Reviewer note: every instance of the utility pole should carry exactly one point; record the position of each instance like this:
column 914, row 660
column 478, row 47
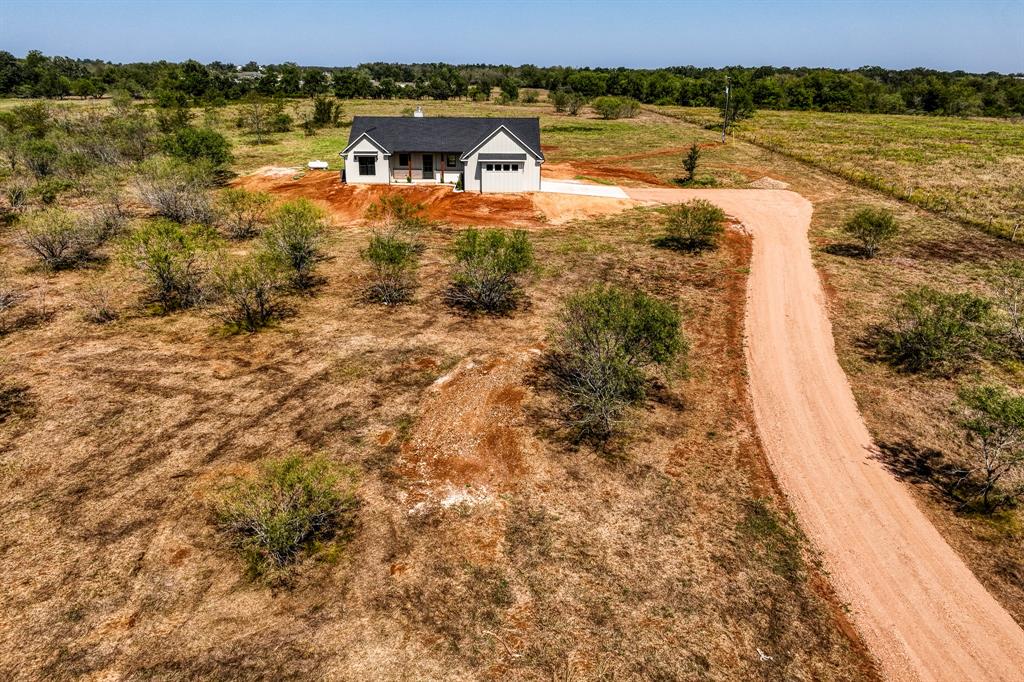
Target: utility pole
column 725, row 117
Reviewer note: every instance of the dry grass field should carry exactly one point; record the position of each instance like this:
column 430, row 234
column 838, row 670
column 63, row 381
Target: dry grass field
column 968, row 168
column 487, row 546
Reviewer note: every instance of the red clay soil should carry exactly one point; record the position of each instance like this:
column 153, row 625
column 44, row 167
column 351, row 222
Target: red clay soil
column 569, row 170
column 348, row 203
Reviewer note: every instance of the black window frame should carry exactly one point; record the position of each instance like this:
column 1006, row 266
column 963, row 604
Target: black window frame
column 407, row 157
column 367, row 162
column 451, row 161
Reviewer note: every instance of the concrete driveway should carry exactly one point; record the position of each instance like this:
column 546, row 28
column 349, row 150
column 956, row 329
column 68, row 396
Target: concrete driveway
column 563, row 187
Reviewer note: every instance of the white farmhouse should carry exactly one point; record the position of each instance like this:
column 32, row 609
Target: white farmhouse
column 489, row 154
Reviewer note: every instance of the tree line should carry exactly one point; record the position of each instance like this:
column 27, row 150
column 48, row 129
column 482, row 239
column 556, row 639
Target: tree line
column 869, row 89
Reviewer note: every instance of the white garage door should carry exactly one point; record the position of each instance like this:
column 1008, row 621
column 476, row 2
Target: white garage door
column 502, row 176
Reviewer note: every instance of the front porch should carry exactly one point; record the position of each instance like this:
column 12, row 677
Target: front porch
column 432, row 168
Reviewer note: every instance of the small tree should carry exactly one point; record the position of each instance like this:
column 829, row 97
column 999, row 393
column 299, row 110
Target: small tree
column 275, row 517
column 690, row 162
column 575, row 102
column 994, row 425
column 489, row 266
column 393, row 269
column 1008, row 283
column 177, row 190
column 933, row 331
column 248, row 292
column 169, row 258
column 604, row 339
column 559, row 100
column 694, row 226
column 326, row 112
column 198, row 144
column 243, row 214
column 40, row 156
column 872, row 227
column 256, row 116
column 16, row 191
column 294, row 240
column 58, row 239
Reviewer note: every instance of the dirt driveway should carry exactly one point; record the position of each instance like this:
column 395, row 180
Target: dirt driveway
column 920, row 609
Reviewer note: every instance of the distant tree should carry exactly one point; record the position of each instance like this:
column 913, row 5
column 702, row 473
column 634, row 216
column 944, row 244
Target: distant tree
column 256, row 116
column 314, row 82
column 510, row 89
column 575, row 103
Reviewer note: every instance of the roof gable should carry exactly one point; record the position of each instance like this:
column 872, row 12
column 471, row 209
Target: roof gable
column 492, row 134
column 457, row 134
column 365, row 136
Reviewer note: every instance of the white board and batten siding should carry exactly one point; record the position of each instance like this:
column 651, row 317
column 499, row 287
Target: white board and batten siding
column 503, row 153
column 366, row 148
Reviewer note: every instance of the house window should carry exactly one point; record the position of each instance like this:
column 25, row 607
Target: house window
column 506, row 167
column 451, row 161
column 515, row 166
column 367, row 165
column 403, row 160
column 490, row 166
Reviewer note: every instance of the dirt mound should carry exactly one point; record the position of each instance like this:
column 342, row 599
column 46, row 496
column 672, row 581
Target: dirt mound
column 469, row 442
column 769, row 183
column 349, row 203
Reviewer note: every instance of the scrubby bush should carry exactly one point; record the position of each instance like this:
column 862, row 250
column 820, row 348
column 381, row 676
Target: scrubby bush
column 294, row 240
column 993, row 423
column 1008, row 283
column 16, row 191
column 872, row 227
column 98, row 304
column 393, row 269
column 170, row 260
column 242, row 213
column 489, row 266
column 610, row 107
column 694, row 226
column 10, row 298
column 48, row 189
column 177, row 190
column 396, row 215
column 575, row 102
column 40, row 157
column 937, row 332
column 58, row 239
column 276, row 516
column 604, row 339
column 529, row 96
column 559, row 100
column 248, row 292
column 198, row 144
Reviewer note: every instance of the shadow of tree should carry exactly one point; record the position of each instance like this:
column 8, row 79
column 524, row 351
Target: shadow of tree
column 926, row 466
column 846, row 250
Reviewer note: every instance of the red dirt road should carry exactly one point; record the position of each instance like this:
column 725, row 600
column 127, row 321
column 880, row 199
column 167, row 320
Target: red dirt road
column 919, row 608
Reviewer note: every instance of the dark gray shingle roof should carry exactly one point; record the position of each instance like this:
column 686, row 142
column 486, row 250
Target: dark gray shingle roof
column 441, row 133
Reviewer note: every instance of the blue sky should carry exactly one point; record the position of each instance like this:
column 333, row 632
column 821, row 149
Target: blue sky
column 973, row 36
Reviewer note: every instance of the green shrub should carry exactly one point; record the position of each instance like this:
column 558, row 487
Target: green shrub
column 16, row 191
column 294, row 240
column 937, row 332
column 48, row 190
column 690, row 162
column 604, row 339
column 872, row 227
column 170, row 260
column 609, row 107
column 40, row 156
column 393, row 264
column 1008, row 282
column 489, row 266
column 58, row 239
column 198, row 144
column 395, row 212
column 177, row 190
column 248, row 292
column 242, row 213
column 272, row 519
column 326, row 112
column 559, row 100
column 694, row 226
column 993, row 422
